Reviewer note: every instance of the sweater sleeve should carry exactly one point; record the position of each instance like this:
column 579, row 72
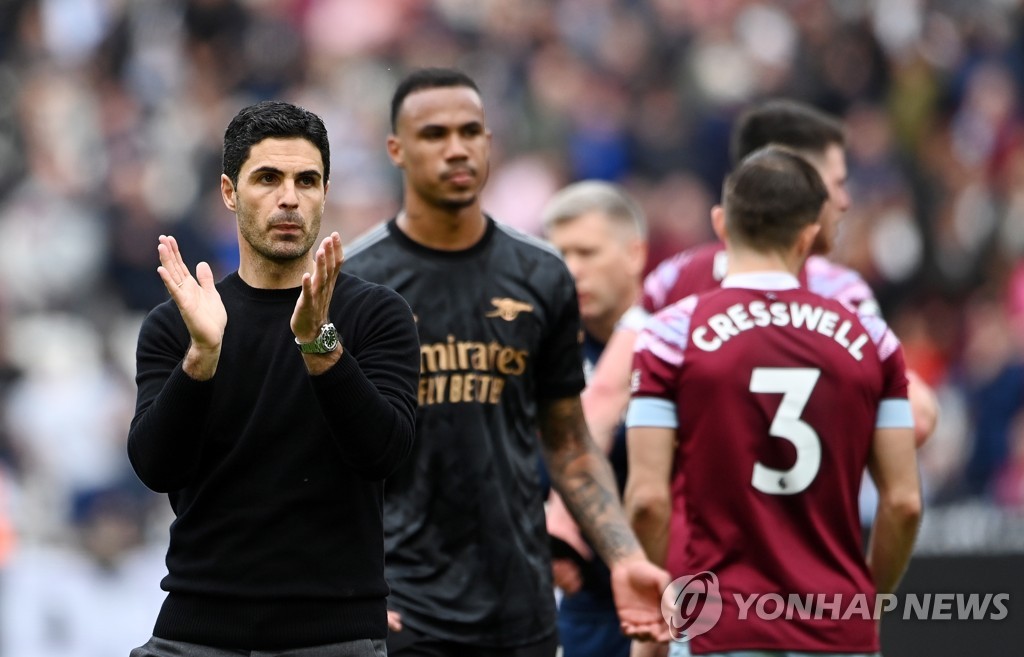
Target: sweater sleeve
column 369, row 397
column 165, row 438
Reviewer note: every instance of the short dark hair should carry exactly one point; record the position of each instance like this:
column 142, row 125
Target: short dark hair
column 427, row 78
column 787, row 123
column 772, row 195
column 272, row 119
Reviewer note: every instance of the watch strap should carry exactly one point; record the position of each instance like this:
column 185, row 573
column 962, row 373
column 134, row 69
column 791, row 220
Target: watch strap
column 326, row 341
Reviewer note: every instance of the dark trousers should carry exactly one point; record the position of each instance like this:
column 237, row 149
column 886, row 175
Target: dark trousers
column 157, row 647
column 410, row 643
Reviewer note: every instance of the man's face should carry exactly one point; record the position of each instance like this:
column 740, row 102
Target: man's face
column 831, row 165
column 279, row 200
column 606, row 262
column 442, row 145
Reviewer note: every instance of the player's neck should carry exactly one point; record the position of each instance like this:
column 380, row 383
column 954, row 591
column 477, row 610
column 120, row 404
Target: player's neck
column 441, row 229
column 747, row 261
column 263, row 274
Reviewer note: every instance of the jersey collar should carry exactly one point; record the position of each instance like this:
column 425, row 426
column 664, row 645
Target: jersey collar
column 763, row 280
column 412, row 245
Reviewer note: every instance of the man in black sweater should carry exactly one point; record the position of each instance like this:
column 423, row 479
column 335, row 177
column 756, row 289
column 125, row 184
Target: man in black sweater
column 271, row 406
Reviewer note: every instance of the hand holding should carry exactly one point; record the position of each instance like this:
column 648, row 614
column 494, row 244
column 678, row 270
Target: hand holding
column 313, row 305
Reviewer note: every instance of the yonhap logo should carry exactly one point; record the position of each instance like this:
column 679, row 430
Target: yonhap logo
column 692, row 605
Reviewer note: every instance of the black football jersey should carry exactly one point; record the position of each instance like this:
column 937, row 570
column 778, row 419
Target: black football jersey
column 467, row 553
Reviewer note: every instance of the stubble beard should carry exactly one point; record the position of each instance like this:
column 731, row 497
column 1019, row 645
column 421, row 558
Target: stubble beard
column 454, row 205
column 277, row 251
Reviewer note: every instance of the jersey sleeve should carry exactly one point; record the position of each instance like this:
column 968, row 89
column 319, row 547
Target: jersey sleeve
column 560, row 359
column 657, row 360
column 894, row 409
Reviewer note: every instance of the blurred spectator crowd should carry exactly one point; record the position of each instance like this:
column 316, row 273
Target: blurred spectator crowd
column 111, row 119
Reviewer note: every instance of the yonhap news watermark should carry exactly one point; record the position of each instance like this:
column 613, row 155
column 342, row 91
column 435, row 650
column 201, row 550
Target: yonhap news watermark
column 694, row 604
column 915, row 606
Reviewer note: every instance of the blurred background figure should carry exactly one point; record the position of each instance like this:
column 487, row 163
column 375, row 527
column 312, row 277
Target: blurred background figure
column 94, row 596
column 602, row 234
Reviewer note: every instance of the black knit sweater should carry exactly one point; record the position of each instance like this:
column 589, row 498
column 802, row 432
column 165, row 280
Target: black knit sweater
column 276, row 476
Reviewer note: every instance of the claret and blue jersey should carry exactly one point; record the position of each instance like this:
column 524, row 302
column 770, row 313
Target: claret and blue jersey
column 775, row 394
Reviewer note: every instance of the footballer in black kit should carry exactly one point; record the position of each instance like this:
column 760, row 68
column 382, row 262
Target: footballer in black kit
column 466, row 547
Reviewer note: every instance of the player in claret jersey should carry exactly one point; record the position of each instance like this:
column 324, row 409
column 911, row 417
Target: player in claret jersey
column 819, row 139
column 767, row 401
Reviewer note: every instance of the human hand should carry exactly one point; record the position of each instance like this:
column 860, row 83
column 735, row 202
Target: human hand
column 565, row 571
column 200, row 306
column 567, row 575
column 637, row 585
column 311, row 309
column 394, row 621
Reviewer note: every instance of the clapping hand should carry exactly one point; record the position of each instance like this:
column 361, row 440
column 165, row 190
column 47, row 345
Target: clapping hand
column 200, row 306
column 311, row 310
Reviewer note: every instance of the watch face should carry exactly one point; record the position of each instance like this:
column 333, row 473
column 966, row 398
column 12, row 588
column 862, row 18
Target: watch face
column 329, row 337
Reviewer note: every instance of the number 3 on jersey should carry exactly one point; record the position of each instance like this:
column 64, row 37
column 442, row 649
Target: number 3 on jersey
column 795, row 384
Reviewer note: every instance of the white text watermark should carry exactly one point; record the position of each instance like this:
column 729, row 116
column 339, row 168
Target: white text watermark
column 693, row 605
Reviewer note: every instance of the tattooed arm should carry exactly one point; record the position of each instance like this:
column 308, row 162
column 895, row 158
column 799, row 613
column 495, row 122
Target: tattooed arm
column 582, row 476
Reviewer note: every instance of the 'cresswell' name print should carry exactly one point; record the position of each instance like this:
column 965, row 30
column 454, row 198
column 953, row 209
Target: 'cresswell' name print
column 458, row 371
column 721, row 327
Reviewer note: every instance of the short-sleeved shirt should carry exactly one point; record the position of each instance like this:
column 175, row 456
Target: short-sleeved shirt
column 467, row 554
column 775, row 393
column 703, row 267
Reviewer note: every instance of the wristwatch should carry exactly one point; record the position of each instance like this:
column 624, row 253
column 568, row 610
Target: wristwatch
column 326, row 342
